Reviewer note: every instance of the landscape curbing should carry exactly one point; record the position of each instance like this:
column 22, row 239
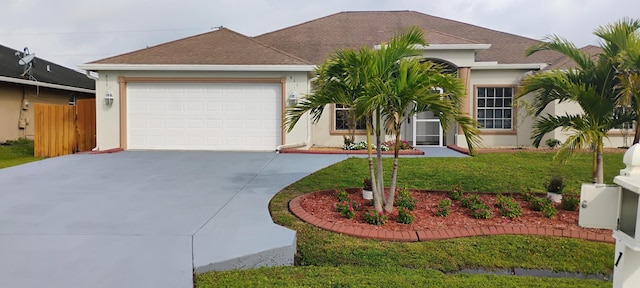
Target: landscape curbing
column 439, row 234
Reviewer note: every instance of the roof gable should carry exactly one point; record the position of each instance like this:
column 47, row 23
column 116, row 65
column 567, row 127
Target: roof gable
column 220, row 47
column 54, row 74
column 316, row 39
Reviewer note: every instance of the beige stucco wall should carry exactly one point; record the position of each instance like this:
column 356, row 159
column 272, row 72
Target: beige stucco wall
column 517, row 137
column 616, row 137
column 460, row 58
column 108, row 118
column 11, row 97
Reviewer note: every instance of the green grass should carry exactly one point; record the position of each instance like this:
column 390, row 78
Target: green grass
column 16, row 153
column 351, row 276
column 323, row 254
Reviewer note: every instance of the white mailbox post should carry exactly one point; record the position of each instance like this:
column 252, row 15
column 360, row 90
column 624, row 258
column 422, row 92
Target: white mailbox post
column 626, row 270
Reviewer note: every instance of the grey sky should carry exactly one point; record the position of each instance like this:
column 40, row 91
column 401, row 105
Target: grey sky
column 72, row 32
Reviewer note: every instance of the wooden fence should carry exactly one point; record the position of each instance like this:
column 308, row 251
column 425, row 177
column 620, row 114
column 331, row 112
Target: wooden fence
column 64, row 129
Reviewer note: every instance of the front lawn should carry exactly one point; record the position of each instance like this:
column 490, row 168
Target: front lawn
column 18, row 152
column 331, row 259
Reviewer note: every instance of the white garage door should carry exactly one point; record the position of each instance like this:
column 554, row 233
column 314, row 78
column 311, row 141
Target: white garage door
column 204, row 116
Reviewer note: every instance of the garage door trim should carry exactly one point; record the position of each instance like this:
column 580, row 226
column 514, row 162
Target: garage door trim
column 123, row 95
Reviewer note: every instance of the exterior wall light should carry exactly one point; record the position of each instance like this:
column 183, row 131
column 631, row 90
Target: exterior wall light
column 108, row 98
column 292, row 100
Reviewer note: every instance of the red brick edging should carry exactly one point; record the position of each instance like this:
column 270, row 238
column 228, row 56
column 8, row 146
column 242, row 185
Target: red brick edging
column 439, row 234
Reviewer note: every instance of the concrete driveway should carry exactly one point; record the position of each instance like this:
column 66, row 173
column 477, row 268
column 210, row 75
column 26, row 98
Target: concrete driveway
column 143, row 219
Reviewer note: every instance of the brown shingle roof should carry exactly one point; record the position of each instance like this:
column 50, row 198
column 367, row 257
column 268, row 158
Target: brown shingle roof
column 315, row 40
column 565, row 62
column 221, row 47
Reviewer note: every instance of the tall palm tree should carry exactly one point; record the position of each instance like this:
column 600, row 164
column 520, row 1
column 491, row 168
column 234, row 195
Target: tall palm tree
column 621, row 48
column 592, row 85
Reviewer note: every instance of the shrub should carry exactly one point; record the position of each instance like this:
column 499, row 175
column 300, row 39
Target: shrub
column 404, row 145
column 362, row 145
column 347, row 208
column 528, row 196
column 443, row 209
column 405, row 200
column 570, row 202
column 470, row 201
column 549, row 211
column 508, row 206
column 481, row 211
column 552, row 143
column 374, row 217
column 456, row 192
column 405, row 216
column 538, row 203
column 342, row 195
column 555, row 185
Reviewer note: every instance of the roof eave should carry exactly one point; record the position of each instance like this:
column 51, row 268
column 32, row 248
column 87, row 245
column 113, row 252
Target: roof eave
column 45, row 84
column 183, row 67
column 474, row 47
column 496, row 66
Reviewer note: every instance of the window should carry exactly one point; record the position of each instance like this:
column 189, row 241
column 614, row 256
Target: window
column 341, row 114
column 494, row 107
column 616, row 114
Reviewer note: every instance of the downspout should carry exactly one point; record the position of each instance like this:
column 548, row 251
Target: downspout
column 308, row 140
column 88, row 74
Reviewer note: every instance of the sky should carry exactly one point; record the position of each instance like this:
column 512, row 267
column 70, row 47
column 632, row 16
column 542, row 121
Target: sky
column 73, row 32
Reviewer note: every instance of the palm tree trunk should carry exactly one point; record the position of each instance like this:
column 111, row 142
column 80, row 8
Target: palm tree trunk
column 594, row 166
column 394, row 175
column 377, row 195
column 380, row 181
column 636, row 136
column 599, row 163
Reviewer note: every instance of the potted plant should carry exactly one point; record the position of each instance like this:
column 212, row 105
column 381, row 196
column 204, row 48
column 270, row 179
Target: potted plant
column 554, row 188
column 367, row 191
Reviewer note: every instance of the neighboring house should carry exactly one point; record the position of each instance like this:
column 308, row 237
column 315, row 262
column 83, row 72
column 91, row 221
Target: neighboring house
column 38, row 81
column 225, row 91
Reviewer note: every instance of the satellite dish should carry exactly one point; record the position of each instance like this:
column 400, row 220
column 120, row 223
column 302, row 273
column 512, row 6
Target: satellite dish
column 26, row 59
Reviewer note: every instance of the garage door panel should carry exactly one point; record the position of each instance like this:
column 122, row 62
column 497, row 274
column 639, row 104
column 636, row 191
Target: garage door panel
column 204, row 116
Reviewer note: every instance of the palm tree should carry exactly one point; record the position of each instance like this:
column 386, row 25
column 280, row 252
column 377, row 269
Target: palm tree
column 409, row 90
column 381, row 85
column 621, row 48
column 592, row 85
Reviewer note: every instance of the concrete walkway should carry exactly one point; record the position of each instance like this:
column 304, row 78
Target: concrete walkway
column 143, row 219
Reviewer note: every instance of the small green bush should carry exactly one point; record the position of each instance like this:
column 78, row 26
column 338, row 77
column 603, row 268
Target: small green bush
column 481, row 211
column 374, row 217
column 508, row 206
column 538, row 203
column 528, row 196
column 455, row 193
column 470, row 201
column 404, row 216
column 570, row 202
column 444, row 207
column 549, row 211
column 347, row 208
column 405, row 200
column 342, row 195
